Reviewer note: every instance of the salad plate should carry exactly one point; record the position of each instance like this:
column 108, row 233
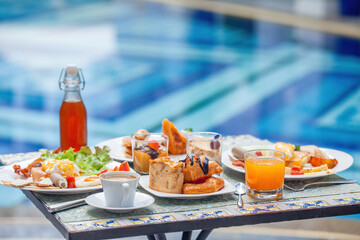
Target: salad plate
column 141, row 200
column 117, row 151
column 344, row 162
column 144, row 182
column 7, row 174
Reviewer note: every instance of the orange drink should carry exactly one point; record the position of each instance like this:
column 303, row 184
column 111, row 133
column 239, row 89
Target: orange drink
column 264, row 173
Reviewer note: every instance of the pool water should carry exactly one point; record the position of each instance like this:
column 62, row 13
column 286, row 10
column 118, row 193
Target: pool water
column 144, row 62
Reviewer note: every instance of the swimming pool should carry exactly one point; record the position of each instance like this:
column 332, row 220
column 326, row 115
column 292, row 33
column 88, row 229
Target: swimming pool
column 145, row 61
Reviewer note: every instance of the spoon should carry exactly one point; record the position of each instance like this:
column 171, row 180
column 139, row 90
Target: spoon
column 240, row 190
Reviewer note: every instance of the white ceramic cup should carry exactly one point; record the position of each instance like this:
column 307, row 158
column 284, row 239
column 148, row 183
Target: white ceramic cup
column 119, row 194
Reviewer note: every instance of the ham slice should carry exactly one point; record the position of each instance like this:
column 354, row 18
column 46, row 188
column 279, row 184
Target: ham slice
column 37, row 174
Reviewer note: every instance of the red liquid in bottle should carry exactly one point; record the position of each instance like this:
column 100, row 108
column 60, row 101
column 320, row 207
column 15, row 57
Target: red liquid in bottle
column 73, row 128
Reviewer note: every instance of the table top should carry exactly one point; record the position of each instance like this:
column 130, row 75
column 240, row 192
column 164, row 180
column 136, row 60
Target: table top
column 171, row 215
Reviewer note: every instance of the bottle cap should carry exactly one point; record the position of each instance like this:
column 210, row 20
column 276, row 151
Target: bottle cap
column 71, row 69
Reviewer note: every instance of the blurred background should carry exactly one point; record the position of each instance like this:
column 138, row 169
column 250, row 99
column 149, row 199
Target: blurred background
column 283, row 70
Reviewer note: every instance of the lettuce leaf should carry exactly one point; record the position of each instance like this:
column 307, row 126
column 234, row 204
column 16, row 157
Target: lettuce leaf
column 88, row 162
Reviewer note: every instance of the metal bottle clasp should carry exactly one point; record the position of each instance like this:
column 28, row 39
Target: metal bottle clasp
column 62, row 82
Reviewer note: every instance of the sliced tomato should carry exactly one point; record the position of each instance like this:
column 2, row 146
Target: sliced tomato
column 154, row 145
column 124, row 166
column 295, row 170
column 103, row 171
column 70, row 181
column 258, row 153
column 116, row 168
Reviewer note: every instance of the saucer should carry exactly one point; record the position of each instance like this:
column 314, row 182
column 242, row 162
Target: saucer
column 98, row 200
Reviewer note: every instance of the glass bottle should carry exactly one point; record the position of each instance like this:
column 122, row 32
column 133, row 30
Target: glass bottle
column 73, row 124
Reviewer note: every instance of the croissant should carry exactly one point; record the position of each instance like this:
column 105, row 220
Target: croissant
column 197, row 169
column 212, row 184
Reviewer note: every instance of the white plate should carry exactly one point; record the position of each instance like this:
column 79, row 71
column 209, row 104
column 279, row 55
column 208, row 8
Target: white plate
column 344, row 162
column 142, row 200
column 144, row 182
column 7, row 174
column 117, row 151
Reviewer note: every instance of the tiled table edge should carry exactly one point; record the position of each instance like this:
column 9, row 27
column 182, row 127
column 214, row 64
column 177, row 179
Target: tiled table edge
column 233, row 210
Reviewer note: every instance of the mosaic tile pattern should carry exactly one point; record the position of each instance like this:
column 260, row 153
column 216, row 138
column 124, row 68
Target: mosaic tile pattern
column 348, row 200
column 250, row 209
column 207, row 214
column 307, row 204
column 153, row 219
column 258, row 209
column 95, row 225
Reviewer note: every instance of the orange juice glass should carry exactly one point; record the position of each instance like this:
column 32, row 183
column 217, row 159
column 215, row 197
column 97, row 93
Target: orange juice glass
column 264, row 173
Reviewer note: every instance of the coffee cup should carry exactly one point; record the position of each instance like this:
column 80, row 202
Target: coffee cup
column 119, row 188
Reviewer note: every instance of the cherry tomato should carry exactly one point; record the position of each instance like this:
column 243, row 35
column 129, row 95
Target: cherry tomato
column 103, row 171
column 258, row 153
column 124, row 166
column 295, row 170
column 70, row 181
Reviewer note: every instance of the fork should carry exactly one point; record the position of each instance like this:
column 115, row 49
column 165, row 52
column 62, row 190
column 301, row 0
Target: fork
column 65, row 205
column 319, row 183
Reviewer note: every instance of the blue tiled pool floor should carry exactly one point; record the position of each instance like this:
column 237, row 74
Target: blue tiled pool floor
column 144, row 62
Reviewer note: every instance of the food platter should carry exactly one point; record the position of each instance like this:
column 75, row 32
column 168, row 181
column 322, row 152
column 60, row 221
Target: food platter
column 344, row 159
column 118, row 150
column 7, row 174
column 144, row 182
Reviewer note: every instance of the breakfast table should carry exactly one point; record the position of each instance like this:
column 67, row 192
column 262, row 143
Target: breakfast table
column 178, row 215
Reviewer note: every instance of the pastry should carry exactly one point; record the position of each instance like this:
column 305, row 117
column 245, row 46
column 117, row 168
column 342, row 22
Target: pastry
column 212, row 184
column 166, row 175
column 177, row 142
column 199, row 168
column 126, row 142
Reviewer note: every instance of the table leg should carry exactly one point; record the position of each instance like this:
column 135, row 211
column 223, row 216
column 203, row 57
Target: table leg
column 186, row 235
column 203, row 234
column 160, row 236
column 151, row 237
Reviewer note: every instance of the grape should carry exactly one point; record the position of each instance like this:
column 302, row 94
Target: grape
column 214, row 144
